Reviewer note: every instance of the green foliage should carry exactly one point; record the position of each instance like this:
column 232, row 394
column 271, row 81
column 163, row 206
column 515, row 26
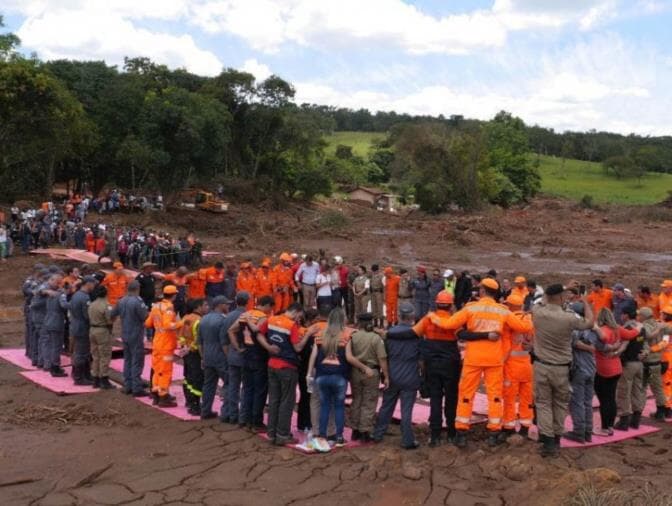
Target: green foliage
column 8, row 43
column 587, row 202
column 622, row 167
column 333, row 220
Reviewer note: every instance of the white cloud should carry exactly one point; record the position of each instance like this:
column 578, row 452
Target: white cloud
column 259, row 70
column 97, row 29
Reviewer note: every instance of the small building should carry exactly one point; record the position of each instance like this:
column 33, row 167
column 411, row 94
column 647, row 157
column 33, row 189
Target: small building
column 375, row 198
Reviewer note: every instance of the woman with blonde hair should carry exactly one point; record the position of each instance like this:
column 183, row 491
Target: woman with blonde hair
column 331, row 372
column 609, row 367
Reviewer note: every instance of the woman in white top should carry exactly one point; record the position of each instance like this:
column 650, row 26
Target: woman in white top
column 323, row 285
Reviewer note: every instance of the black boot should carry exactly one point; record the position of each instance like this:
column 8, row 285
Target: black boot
column 435, row 439
column 96, row 382
column 79, row 376
column 365, row 437
column 356, row 435
column 659, row 414
column 86, row 368
column 549, row 447
column 105, row 384
column 668, row 412
column 623, row 423
column 524, row 431
column 461, row 439
column 635, row 419
column 57, row 372
column 155, row 398
column 165, row 402
column 575, row 436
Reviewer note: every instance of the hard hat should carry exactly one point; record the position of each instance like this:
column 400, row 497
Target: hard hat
column 448, row 273
column 338, row 259
column 285, row 257
column 520, row 279
column 445, row 298
column 169, row 290
column 490, row 283
column 515, row 300
column 294, row 255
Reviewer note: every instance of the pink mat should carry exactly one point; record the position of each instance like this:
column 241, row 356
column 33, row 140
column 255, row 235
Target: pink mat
column 178, row 369
column 180, row 411
column 17, row 357
column 60, row 386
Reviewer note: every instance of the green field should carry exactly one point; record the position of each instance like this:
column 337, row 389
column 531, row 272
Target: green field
column 361, row 142
column 576, row 179
column 573, row 180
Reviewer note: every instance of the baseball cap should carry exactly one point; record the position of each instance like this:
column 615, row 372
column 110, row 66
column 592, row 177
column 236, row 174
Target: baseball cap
column 365, row 317
column 170, row 290
column 406, row 308
column 619, row 287
column 220, row 300
column 89, row 279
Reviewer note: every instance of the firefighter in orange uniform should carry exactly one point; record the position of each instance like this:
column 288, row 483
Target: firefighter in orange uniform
column 264, row 280
column 116, row 283
column 518, row 372
column 666, row 317
column 179, row 278
column 283, row 283
column 665, row 297
column 196, row 282
column 214, row 281
column 391, row 296
column 247, row 282
column 484, row 320
column 520, row 287
column 165, row 323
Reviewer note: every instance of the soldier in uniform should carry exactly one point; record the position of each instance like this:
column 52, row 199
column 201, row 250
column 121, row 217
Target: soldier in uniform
column 360, row 290
column 420, row 287
column 29, row 286
column 51, row 336
column 100, row 320
column 79, row 328
column 377, row 290
column 38, row 308
column 366, row 353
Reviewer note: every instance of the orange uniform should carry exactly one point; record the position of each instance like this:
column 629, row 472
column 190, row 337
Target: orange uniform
column 116, row 283
column 265, row 283
column 651, row 302
column 520, row 291
column 518, row 376
column 392, row 297
column 664, row 300
column 196, row 284
column 163, row 319
column 90, row 242
column 283, row 282
column 601, row 299
column 483, row 358
column 247, row 282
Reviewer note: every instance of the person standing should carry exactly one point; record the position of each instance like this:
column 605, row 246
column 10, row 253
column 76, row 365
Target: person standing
column 403, row 356
column 306, row 276
column 367, row 355
column 246, row 282
column 133, row 312
column 600, row 297
column 192, row 384
column 116, row 283
column 28, row 289
column 323, row 285
column 392, row 281
column 279, row 335
column 442, row 367
column 163, row 319
column 339, row 283
column 437, row 284
column 51, row 338
column 38, row 310
column 360, row 291
column 100, row 319
column 212, row 342
column 377, row 285
column 553, row 351
column 646, row 299
column 235, row 361
column 265, row 280
column 653, row 360
column 79, row 329
column 283, row 283
column 420, row 286
column 630, row 391
column 214, row 281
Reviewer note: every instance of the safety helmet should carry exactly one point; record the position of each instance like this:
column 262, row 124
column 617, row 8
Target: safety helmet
column 444, row 298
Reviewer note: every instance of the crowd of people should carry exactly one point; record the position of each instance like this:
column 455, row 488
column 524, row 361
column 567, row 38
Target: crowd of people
column 322, row 325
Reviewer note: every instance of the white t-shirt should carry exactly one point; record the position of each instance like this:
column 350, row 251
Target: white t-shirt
column 324, row 291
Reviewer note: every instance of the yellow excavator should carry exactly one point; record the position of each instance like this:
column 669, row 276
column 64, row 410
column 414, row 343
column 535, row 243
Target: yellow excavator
column 205, row 201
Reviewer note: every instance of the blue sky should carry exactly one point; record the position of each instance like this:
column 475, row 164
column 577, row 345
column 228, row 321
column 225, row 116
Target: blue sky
column 572, row 64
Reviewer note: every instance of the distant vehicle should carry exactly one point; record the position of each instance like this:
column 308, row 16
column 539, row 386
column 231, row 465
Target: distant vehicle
column 205, row 201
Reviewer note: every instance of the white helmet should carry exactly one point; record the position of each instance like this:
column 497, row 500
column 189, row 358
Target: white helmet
column 448, row 273
column 338, row 259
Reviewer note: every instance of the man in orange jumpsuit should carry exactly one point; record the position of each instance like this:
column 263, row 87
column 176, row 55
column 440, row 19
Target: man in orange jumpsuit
column 600, row 297
column 520, row 287
column 391, row 296
column 214, row 281
column 265, row 280
column 645, row 298
column 666, row 356
column 665, row 297
column 179, row 278
column 116, row 283
column 247, row 282
column 283, row 283
column 196, row 282
column 485, row 320
column 165, row 323
column 518, row 372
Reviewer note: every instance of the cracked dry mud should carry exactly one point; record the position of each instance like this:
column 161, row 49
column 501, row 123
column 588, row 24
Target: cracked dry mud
column 139, row 456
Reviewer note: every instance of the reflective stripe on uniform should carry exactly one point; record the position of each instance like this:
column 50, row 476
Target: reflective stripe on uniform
column 510, row 425
column 192, row 389
column 478, row 308
column 525, row 421
column 495, row 421
column 462, row 419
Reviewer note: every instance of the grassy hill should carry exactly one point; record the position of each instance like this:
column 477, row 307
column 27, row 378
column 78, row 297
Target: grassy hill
column 572, row 180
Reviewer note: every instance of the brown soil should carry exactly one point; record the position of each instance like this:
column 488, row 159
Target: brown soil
column 108, row 449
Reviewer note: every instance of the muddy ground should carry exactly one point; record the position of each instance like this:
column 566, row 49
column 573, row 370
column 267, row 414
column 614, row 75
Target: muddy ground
column 106, row 448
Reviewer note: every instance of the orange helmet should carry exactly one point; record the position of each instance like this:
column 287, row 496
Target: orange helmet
column 285, row 257
column 515, row 300
column 444, row 298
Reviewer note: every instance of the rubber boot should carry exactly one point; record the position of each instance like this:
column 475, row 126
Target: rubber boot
column 435, row 439
column 356, row 435
column 659, row 414
column 96, row 382
column 105, row 384
column 635, row 419
column 57, row 372
column 623, row 423
column 495, row 438
column 86, row 368
column 461, row 439
column 549, row 447
column 165, row 402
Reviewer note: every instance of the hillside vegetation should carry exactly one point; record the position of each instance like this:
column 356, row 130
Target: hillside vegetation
column 573, row 180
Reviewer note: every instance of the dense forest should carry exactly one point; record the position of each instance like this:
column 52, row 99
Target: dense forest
column 146, row 126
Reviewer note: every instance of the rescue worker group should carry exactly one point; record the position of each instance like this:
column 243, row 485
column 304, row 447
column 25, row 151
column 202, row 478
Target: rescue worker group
column 320, row 325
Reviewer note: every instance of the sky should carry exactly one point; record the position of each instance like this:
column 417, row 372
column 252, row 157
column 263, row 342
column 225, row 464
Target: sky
column 563, row 64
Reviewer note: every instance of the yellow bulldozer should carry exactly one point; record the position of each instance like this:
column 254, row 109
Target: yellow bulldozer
column 205, row 201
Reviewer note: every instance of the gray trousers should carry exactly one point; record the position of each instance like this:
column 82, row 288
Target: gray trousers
column 28, row 331
column 235, row 383
column 390, row 397
column 309, row 292
column 654, row 379
column 81, row 351
column 581, row 403
column 51, row 345
column 281, row 401
column 551, row 397
column 630, row 393
column 35, row 352
column 134, row 361
column 212, row 375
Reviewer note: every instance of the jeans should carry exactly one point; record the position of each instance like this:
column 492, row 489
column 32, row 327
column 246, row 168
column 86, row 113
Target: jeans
column 324, row 302
column 605, row 388
column 581, row 404
column 134, row 361
column 281, row 401
column 255, row 390
column 235, row 409
column 332, row 391
column 390, row 398
column 212, row 375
